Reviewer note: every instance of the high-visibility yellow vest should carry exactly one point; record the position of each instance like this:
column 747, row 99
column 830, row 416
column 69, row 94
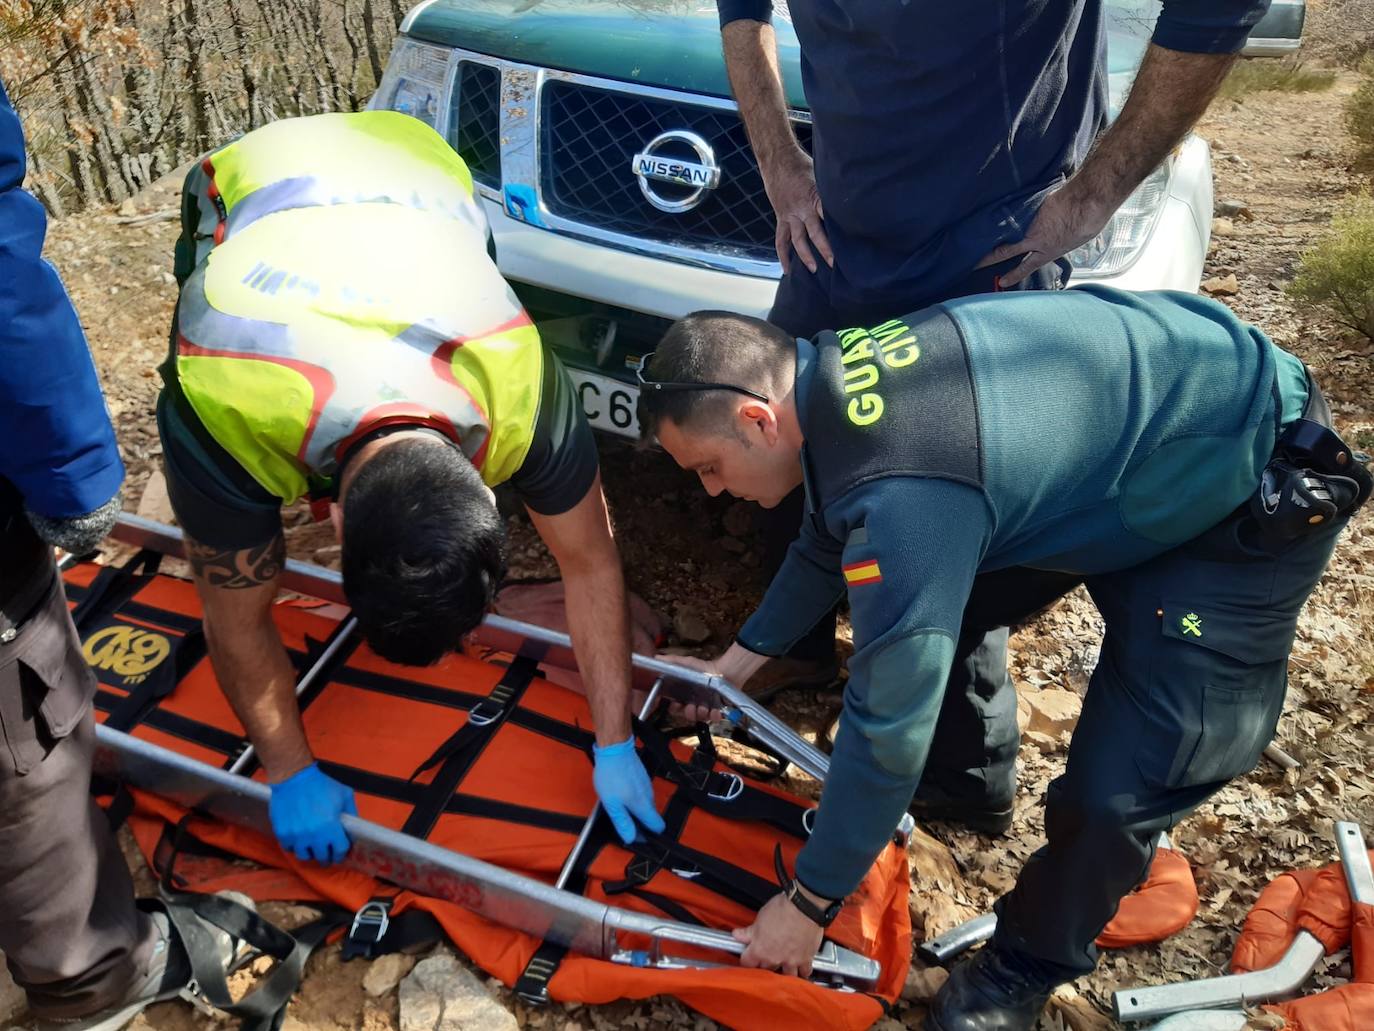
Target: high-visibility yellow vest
column 343, row 282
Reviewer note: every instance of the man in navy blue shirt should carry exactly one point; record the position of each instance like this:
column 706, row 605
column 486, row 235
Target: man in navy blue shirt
column 957, row 149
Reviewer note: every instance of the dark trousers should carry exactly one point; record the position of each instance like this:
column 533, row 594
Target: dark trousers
column 68, row 927
column 974, row 755
column 1187, row 692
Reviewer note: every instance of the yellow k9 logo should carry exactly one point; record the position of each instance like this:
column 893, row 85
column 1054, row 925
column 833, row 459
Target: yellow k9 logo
column 127, row 651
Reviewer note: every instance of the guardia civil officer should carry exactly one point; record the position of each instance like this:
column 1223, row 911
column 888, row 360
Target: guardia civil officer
column 343, row 335
column 1151, row 445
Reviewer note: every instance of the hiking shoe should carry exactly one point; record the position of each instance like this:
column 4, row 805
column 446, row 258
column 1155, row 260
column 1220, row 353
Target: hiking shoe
column 995, row 990
column 784, row 674
column 167, row 975
column 933, row 803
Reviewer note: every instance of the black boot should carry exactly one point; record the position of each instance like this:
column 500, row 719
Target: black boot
column 986, row 816
column 996, row 990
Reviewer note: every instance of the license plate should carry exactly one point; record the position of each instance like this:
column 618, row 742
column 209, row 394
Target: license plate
column 608, row 403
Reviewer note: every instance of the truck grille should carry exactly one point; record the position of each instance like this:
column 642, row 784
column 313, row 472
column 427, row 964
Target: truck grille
column 476, row 121
column 589, row 138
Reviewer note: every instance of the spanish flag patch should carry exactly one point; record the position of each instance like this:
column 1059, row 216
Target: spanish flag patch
column 865, row 572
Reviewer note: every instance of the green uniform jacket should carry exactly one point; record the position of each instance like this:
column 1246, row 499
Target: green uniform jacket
column 1085, row 430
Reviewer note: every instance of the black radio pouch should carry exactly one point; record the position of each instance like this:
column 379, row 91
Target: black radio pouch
column 1313, row 478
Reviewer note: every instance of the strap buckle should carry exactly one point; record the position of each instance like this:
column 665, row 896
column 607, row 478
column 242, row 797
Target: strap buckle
column 734, row 788
column 369, row 927
column 491, row 708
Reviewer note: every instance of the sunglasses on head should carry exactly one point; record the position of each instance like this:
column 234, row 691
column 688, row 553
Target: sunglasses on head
column 666, row 386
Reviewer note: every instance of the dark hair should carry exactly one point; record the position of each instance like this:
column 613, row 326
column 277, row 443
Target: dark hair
column 713, row 347
column 423, row 550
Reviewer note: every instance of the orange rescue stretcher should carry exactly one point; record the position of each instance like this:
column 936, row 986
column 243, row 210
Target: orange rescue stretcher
column 1299, row 918
column 474, row 788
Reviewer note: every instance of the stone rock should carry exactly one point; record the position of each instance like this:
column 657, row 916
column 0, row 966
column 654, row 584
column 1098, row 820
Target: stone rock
column 690, row 625
column 1077, row 1013
column 168, row 279
column 739, row 519
column 923, row 982
column 128, row 209
column 1223, row 227
column 385, row 973
column 1023, row 713
column 1053, row 710
column 1222, row 285
column 330, row 555
column 13, row 1001
column 1044, row 743
column 442, row 995
column 733, row 545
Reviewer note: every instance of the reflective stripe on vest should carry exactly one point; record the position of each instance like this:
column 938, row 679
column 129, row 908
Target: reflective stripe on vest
column 357, row 293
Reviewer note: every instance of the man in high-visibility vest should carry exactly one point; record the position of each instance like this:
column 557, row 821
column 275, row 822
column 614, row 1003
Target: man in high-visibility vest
column 1152, row 446
column 342, row 334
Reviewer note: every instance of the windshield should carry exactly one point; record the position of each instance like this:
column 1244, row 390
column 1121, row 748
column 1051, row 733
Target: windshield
column 1130, row 24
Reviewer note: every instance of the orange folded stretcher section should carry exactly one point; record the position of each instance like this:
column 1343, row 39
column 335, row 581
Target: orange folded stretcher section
column 474, row 788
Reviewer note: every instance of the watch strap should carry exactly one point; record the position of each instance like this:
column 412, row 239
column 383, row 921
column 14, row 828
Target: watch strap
column 821, row 917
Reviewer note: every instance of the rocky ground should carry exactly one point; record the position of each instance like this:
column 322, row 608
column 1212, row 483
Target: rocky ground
column 1282, row 163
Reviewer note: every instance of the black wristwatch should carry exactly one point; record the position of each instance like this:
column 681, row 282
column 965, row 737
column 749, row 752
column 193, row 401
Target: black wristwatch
column 822, row 918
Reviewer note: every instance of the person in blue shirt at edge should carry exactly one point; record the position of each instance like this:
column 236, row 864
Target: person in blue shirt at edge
column 1116, row 439
column 957, row 150
column 86, row 955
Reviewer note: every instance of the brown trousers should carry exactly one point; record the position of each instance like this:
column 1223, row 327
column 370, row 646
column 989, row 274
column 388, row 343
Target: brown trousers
column 68, row 926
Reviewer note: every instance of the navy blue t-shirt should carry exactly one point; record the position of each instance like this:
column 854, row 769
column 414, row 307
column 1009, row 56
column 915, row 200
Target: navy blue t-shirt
column 940, row 127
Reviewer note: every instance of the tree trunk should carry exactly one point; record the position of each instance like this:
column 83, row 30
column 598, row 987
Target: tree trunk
column 199, row 102
column 374, row 54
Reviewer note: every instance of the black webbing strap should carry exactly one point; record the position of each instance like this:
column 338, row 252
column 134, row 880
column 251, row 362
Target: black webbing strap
column 777, row 763
column 183, row 727
column 545, row 726
column 720, row 794
column 658, row 852
column 264, row 1008
column 533, row 983
column 114, row 585
column 314, row 649
column 532, row 986
column 373, row 931
column 134, row 709
column 435, row 796
column 672, row 907
column 121, row 799
column 480, row 719
column 397, row 790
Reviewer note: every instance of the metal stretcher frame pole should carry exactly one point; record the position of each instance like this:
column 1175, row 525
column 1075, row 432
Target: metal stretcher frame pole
column 552, row 648
column 511, row 899
column 1282, row 979
column 945, row 947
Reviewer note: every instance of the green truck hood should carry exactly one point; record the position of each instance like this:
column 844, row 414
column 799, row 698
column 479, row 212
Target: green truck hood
column 670, row 43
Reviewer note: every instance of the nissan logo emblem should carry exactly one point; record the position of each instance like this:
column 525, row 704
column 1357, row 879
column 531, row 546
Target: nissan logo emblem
column 663, row 161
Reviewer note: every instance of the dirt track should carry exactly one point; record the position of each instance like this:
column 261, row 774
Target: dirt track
column 1284, row 156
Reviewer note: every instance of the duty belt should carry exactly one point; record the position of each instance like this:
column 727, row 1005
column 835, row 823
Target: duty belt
column 1313, row 478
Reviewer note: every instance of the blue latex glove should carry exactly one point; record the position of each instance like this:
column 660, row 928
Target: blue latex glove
column 306, row 810
column 625, row 790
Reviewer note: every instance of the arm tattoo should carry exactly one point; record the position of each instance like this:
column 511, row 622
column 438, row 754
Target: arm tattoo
column 235, row 568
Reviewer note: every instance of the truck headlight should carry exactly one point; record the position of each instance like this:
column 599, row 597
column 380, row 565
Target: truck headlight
column 414, row 82
column 1116, row 247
